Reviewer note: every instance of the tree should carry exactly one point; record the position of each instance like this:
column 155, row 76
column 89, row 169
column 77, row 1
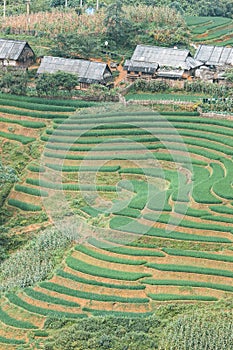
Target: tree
column 7, row 175
column 50, row 84
column 118, row 28
column 14, row 82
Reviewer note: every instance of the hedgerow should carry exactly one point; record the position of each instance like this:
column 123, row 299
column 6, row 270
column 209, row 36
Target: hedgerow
column 167, row 297
column 113, row 259
column 198, row 254
column 98, row 283
column 92, row 296
column 10, row 321
column 191, row 269
column 81, row 266
column 189, row 283
column 24, row 206
column 20, row 138
column 14, row 299
column 49, row 299
column 32, row 191
column 24, row 123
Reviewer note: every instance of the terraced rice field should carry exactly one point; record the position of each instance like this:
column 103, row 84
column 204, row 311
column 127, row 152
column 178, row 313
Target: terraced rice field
column 154, row 196
column 211, row 30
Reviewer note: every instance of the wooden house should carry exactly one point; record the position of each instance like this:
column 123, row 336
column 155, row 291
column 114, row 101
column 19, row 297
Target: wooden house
column 150, row 62
column 88, row 72
column 17, row 54
column 215, row 61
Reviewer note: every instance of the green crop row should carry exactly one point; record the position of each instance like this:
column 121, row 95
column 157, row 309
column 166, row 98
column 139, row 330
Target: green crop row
column 70, row 187
column 34, row 106
column 14, row 299
column 4, row 340
column 168, row 297
column 191, row 269
column 117, row 313
column 91, row 296
column 123, row 249
column 219, row 219
column 13, row 111
column 125, row 224
column 36, row 168
column 195, row 21
column 49, row 299
column 113, row 259
column 66, row 168
column 81, row 266
column 167, row 219
column 24, row 206
column 39, row 100
column 41, row 333
column 131, row 212
column 214, row 24
column 98, row 283
column 112, row 156
column 198, row 254
column 222, row 209
column 184, row 283
column 20, row 138
column 24, row 123
column 31, row 191
column 10, row 321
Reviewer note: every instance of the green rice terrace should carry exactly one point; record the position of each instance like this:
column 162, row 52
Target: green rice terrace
column 152, row 198
column 211, row 30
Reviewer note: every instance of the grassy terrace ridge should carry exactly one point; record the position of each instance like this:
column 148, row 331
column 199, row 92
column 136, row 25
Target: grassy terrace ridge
column 9, row 341
column 20, row 138
column 97, row 283
column 92, row 296
column 10, row 321
column 188, row 283
column 23, row 205
column 117, row 313
column 198, row 254
column 15, row 299
column 191, row 269
column 100, row 256
column 33, row 106
column 168, row 297
column 81, row 266
column 24, row 123
column 163, row 96
column 49, row 299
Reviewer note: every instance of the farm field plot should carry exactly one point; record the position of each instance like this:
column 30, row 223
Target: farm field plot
column 211, row 30
column 153, row 196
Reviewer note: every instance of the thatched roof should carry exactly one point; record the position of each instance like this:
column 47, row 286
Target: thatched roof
column 215, row 55
column 150, row 58
column 12, row 49
column 88, row 71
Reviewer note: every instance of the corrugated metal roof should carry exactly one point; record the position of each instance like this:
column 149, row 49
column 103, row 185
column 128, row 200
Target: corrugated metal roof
column 156, row 56
column 215, row 55
column 136, row 66
column 87, row 71
column 170, row 74
column 11, row 49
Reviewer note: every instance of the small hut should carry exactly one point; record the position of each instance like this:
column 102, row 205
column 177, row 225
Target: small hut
column 88, row 72
column 17, row 54
column 150, row 62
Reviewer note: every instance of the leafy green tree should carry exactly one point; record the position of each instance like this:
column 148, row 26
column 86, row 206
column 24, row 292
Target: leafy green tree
column 50, row 84
column 7, row 174
column 14, row 82
column 118, row 28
